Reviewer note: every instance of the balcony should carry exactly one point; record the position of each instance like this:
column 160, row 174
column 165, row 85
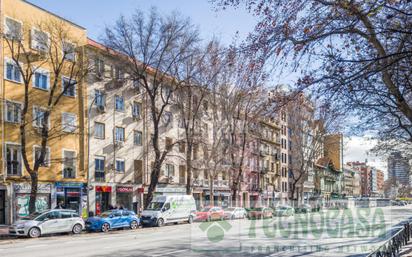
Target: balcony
column 99, row 176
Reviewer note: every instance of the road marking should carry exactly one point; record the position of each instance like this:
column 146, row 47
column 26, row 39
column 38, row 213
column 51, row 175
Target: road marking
column 168, row 253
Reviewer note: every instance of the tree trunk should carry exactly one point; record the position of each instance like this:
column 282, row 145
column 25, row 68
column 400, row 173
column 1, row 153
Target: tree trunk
column 212, row 198
column 33, row 191
column 189, row 169
column 154, row 178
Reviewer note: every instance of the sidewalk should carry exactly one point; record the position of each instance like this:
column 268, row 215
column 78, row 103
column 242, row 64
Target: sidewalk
column 406, row 251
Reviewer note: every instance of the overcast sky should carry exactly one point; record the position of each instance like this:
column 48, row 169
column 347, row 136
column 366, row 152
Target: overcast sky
column 94, row 15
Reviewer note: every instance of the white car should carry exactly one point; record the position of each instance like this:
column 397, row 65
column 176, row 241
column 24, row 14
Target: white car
column 235, row 213
column 48, row 222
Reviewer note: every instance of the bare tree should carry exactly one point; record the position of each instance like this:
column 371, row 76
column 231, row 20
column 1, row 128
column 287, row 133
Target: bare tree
column 309, row 122
column 52, row 47
column 353, row 52
column 155, row 49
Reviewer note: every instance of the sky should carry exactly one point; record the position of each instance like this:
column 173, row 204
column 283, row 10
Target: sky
column 95, row 15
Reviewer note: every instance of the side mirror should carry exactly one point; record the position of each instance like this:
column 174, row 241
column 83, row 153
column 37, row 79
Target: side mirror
column 111, row 216
column 163, row 209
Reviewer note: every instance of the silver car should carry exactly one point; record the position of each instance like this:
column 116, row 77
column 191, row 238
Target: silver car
column 48, row 222
column 235, row 213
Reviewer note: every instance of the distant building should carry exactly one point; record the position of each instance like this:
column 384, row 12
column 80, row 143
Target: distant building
column 380, row 182
column 399, row 169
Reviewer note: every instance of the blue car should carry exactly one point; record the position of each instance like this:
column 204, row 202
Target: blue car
column 113, row 219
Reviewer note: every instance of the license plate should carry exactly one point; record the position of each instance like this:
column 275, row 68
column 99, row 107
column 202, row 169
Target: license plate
column 145, row 221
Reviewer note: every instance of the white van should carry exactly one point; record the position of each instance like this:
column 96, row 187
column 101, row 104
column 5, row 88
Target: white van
column 169, row 209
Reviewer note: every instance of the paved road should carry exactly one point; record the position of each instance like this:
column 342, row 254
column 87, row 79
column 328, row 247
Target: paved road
column 331, row 233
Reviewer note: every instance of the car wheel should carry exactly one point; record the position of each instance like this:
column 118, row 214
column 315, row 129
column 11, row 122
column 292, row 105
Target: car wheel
column 160, row 222
column 34, row 232
column 77, row 229
column 190, row 220
column 105, row 227
column 134, row 224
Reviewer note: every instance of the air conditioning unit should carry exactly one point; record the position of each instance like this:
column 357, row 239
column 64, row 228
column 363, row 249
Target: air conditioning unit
column 101, row 108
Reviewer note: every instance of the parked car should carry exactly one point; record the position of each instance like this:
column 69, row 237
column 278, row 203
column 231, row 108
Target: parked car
column 113, row 219
column 304, row 208
column 235, row 213
column 169, row 209
column 210, row 213
column 284, row 211
column 260, row 213
column 48, row 222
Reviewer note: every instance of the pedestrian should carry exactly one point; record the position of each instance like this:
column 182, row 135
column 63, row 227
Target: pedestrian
column 60, row 205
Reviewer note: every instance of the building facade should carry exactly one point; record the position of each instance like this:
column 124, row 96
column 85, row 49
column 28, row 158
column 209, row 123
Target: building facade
column 62, row 175
column 399, row 169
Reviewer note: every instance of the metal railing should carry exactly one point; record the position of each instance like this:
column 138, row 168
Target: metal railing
column 392, row 247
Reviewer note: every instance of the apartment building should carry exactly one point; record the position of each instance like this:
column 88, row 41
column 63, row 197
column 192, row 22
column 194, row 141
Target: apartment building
column 62, row 176
column 270, row 142
column 399, row 169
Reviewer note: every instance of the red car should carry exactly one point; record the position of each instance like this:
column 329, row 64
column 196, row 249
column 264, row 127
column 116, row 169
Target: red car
column 210, row 213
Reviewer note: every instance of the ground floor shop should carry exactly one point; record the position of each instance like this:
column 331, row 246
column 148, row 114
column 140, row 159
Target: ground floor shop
column 3, row 210
column 72, row 195
column 21, row 198
column 106, row 197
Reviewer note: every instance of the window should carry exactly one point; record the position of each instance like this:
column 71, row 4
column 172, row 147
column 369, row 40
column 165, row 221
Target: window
column 38, row 117
column 118, row 73
column 100, row 98
column 119, row 165
column 169, row 143
column 13, row 160
column 99, row 67
column 119, row 103
column 69, row 86
column 69, row 122
column 12, row 71
column 99, row 169
column 69, row 164
column 41, row 80
column 66, row 215
column 136, row 109
column 39, row 40
column 137, row 137
column 46, row 160
column 182, row 147
column 12, row 112
column 99, row 130
column 69, row 51
column 170, row 170
column 13, row 29
column 167, row 93
column 167, row 118
column 119, row 135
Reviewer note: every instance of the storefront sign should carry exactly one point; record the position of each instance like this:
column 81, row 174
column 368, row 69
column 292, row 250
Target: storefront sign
column 123, row 189
column 170, row 190
column 103, row 189
column 69, row 184
column 140, row 190
column 25, row 188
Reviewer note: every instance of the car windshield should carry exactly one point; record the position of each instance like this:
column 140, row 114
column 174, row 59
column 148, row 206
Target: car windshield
column 155, row 206
column 32, row 216
column 257, row 209
column 206, row 209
